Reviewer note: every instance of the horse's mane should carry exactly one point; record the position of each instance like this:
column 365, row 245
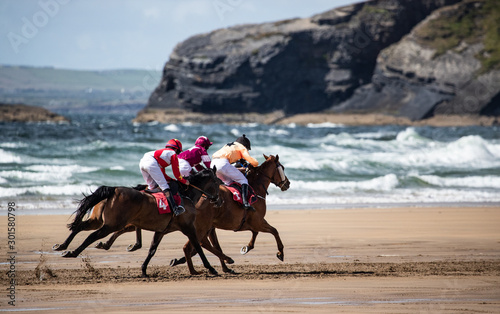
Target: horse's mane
column 253, row 171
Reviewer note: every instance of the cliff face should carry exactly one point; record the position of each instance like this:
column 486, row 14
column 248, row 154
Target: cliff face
column 446, row 65
column 296, row 66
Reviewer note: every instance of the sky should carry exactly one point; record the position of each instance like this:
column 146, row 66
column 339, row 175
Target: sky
column 126, row 34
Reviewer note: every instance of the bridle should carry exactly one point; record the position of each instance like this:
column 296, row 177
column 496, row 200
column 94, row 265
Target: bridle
column 281, row 171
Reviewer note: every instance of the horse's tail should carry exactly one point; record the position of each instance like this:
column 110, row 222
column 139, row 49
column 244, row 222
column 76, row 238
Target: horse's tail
column 88, row 202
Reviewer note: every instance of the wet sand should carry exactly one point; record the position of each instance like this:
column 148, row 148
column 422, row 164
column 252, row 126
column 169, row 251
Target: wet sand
column 370, row 260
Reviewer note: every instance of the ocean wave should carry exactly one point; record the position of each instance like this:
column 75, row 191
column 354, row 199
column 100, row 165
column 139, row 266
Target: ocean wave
column 45, row 173
column 44, row 190
column 324, row 125
column 172, row 128
column 468, row 182
column 467, row 152
column 385, row 183
column 410, row 135
column 397, row 196
column 8, row 158
column 13, row 145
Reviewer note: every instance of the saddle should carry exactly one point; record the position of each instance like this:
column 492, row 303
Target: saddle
column 235, row 188
column 162, row 203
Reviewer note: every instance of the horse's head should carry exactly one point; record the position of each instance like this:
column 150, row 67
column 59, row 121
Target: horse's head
column 274, row 170
column 207, row 183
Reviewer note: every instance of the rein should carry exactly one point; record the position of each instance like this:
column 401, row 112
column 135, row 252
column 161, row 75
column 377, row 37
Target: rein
column 210, row 196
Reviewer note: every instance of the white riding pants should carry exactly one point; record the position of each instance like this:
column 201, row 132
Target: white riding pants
column 152, row 174
column 228, row 173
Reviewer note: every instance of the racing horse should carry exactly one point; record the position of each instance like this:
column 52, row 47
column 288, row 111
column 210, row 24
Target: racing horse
column 125, row 207
column 232, row 216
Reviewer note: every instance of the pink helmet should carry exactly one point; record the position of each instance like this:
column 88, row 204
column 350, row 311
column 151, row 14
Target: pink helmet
column 203, row 141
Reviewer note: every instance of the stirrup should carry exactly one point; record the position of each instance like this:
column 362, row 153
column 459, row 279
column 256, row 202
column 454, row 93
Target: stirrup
column 179, row 210
column 249, row 207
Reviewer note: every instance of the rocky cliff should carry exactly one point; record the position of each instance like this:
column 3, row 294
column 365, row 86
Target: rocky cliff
column 371, row 57
column 447, row 65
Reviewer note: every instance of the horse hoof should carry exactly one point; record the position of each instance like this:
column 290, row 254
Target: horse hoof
column 68, row 254
column 280, row 256
column 133, row 247
column 230, row 261
column 174, row 262
column 101, row 245
column 144, row 275
column 57, row 247
column 244, row 250
column 230, row 271
column 213, row 271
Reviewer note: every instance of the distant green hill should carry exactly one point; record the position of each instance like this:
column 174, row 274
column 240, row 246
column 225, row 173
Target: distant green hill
column 67, row 90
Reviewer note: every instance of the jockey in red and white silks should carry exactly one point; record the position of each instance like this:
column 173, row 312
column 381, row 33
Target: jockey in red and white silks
column 153, row 166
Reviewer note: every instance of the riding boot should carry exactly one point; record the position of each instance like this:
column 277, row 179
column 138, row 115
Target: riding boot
column 244, row 195
column 177, row 210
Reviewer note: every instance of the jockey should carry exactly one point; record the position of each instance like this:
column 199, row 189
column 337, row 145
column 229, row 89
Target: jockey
column 230, row 153
column 153, row 166
column 196, row 157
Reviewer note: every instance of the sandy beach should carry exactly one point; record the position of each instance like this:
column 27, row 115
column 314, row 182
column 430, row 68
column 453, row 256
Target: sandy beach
column 370, row 260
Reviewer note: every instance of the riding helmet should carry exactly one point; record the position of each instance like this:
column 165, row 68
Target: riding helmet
column 174, row 144
column 243, row 140
column 203, row 141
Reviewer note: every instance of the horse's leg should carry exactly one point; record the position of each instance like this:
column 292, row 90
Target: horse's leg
column 106, row 245
column 94, row 236
column 152, row 250
column 250, row 246
column 182, row 260
column 138, row 241
column 188, row 253
column 215, row 243
column 90, row 224
column 190, row 232
column 266, row 227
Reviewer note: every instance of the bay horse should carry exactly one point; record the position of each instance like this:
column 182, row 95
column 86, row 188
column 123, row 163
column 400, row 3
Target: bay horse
column 94, row 222
column 232, row 216
column 125, row 207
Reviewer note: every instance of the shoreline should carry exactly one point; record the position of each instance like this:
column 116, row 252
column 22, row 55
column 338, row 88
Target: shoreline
column 54, row 210
column 148, row 115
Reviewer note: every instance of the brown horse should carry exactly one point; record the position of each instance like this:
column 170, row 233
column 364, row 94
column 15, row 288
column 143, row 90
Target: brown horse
column 232, row 216
column 126, row 207
column 94, row 222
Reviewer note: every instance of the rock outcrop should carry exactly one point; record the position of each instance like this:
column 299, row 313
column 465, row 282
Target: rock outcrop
column 298, row 65
column 440, row 68
column 25, row 113
column 381, row 56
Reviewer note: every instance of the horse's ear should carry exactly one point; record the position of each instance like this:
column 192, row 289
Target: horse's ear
column 265, row 156
column 277, row 157
column 214, row 169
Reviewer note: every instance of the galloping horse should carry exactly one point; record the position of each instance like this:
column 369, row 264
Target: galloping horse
column 94, row 222
column 126, row 207
column 232, row 216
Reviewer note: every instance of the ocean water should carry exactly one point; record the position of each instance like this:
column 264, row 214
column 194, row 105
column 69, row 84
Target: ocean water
column 45, row 167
